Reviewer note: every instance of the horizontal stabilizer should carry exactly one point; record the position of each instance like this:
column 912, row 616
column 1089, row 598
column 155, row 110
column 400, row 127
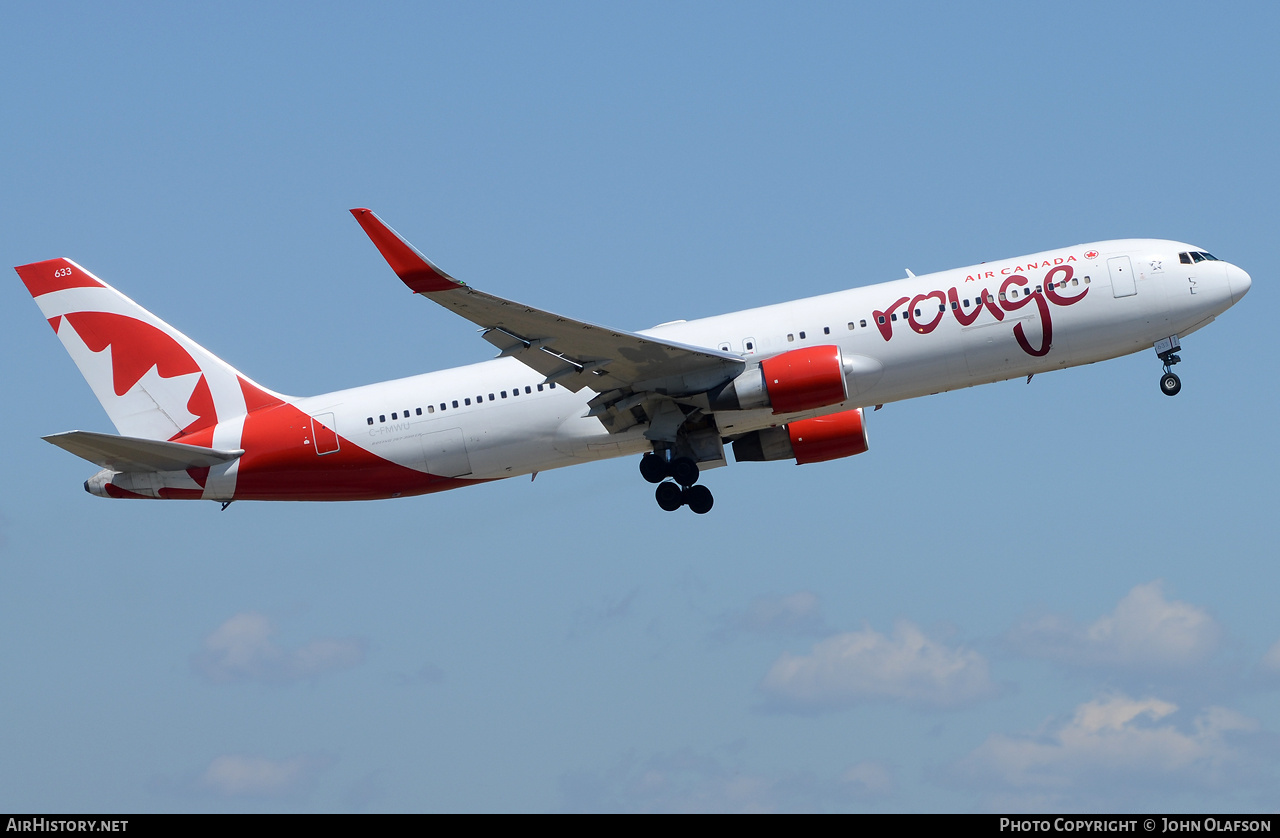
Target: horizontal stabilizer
column 130, row 454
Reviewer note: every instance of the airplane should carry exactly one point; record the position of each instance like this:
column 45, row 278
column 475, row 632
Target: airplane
column 790, row 381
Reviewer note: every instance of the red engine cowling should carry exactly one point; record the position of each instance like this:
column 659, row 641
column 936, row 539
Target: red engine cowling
column 831, row 437
column 803, row 379
column 813, row 440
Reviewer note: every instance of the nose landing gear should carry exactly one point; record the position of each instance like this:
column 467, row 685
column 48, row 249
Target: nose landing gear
column 1170, row 384
column 655, row 468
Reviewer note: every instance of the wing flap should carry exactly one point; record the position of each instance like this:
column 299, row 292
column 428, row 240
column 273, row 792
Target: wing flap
column 132, row 454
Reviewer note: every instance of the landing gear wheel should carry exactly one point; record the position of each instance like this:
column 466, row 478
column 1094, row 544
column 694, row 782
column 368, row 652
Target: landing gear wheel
column 669, row 496
column 653, row 468
column 685, row 471
column 1170, row 385
column 698, row 499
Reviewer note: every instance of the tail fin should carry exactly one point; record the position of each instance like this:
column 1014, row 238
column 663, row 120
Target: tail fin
column 153, row 381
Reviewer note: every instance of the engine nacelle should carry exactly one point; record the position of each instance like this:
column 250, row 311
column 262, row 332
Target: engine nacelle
column 147, row 484
column 813, row 440
column 802, row 379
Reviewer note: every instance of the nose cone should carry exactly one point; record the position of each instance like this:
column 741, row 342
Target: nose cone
column 1239, row 282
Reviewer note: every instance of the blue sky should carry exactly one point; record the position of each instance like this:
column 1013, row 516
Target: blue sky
column 1055, row 596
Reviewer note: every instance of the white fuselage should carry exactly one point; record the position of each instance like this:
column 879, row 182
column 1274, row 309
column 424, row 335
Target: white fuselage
column 901, row 339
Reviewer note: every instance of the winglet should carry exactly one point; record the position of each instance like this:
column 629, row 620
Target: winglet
column 414, row 269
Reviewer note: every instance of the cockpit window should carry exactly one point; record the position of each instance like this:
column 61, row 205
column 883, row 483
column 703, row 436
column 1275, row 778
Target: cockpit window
column 1199, row 257
column 1196, row 256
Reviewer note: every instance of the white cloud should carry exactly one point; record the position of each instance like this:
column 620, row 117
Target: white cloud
column 1110, row 749
column 589, row 621
column 799, row 613
column 237, row 775
column 869, row 780
column 1145, row 631
column 1271, row 660
column 692, row 781
column 860, row 665
column 428, row 673
column 243, row 649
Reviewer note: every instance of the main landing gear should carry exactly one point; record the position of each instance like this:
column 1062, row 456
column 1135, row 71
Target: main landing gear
column 671, row 496
column 1170, row 384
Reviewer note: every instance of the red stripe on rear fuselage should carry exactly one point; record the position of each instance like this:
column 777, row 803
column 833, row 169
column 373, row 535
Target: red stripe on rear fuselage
column 280, row 463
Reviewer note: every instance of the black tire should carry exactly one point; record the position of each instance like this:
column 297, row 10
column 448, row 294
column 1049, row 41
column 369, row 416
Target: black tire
column 653, row 468
column 669, row 496
column 684, row 471
column 1170, row 384
column 699, row 499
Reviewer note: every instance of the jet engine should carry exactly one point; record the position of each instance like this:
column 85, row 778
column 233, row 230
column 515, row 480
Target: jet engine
column 802, row 379
column 813, row 440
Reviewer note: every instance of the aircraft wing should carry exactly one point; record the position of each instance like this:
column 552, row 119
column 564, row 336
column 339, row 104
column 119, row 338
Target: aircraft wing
column 572, row 353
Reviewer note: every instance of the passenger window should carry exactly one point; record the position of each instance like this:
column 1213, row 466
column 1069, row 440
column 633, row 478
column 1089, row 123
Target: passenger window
column 750, row 346
column 863, row 323
column 455, row 403
column 851, row 325
column 1075, row 281
column 880, row 319
column 826, row 330
column 552, row 385
column 893, row 317
column 370, row 420
column 393, row 417
column 1002, row 296
column 954, row 305
column 942, row 307
column 791, row 338
column 430, row 409
column 802, row 336
column 467, row 401
column 539, row 388
column 382, row 417
column 504, row 395
column 528, row 391
column 917, row 312
column 419, row 410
